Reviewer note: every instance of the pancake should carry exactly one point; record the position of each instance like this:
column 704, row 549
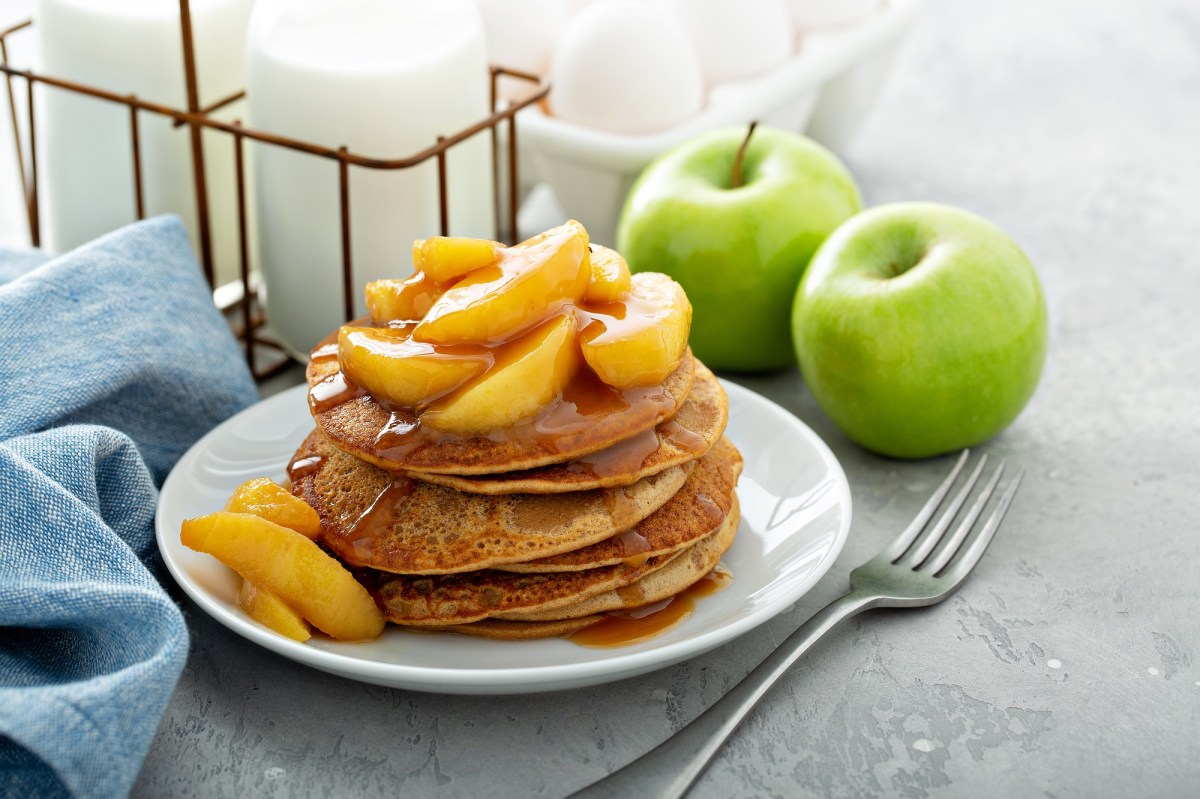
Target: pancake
column 461, row 598
column 680, row 572
column 418, row 528
column 661, row 533
column 590, row 417
column 453, row 599
column 501, row 630
column 697, row 425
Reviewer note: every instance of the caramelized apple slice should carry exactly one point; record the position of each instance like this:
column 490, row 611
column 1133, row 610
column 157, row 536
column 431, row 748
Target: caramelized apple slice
column 446, row 258
column 298, row 571
column 262, row 605
column 529, row 283
column 401, row 300
column 394, row 368
column 265, row 498
column 639, row 341
column 610, row 276
column 529, row 373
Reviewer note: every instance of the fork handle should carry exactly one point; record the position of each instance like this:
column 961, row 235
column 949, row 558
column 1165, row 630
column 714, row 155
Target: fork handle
column 670, row 768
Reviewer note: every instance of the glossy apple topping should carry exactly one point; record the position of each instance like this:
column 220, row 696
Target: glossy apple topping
column 484, row 337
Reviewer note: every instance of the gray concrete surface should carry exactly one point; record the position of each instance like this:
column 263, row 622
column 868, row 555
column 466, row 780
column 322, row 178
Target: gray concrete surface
column 1067, row 667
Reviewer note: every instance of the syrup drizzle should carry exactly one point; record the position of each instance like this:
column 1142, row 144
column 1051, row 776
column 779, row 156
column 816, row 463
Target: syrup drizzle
column 395, row 440
column 376, row 520
column 623, row 627
column 682, row 438
column 619, row 504
column 711, row 510
column 635, row 548
column 585, row 402
column 625, row 457
column 303, row 467
column 325, row 351
column 333, row 391
column 601, row 322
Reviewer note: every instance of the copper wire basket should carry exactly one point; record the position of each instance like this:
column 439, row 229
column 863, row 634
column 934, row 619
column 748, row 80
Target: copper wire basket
column 247, row 325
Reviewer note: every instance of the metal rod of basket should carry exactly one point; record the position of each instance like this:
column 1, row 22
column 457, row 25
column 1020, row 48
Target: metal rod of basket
column 16, row 124
column 443, row 203
column 31, row 197
column 135, row 140
column 347, row 264
column 239, row 166
column 199, row 178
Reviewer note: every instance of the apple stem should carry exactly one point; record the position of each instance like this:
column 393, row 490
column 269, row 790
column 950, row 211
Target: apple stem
column 741, row 155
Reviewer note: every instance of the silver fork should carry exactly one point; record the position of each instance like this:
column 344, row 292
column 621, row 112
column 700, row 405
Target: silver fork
column 921, row 567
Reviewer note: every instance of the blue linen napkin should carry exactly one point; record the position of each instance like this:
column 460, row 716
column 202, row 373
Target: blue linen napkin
column 113, row 361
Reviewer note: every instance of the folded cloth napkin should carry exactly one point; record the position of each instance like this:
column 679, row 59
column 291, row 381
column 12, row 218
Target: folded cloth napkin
column 113, row 361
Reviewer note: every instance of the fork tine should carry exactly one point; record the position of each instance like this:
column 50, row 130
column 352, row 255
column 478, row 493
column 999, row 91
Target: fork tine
column 901, row 544
column 962, row 566
column 952, row 544
column 929, row 539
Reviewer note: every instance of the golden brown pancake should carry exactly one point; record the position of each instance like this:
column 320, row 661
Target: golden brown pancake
column 662, row 533
column 448, row 599
column 358, row 424
column 501, row 630
column 418, row 528
column 680, row 572
column 699, row 422
column 461, row 598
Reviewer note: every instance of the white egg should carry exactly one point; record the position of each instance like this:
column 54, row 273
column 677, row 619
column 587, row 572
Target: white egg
column 522, row 34
column 736, row 39
column 815, row 15
column 626, row 67
column 575, row 6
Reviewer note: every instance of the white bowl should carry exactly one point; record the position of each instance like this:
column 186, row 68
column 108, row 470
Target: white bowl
column 824, row 90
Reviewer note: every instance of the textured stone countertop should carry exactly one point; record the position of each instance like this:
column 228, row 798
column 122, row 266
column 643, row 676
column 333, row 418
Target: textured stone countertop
column 1068, row 666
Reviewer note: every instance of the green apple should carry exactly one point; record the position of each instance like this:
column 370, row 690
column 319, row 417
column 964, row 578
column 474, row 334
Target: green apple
column 920, row 329
column 737, row 233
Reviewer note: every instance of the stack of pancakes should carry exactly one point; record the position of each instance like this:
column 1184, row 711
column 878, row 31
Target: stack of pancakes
column 605, row 502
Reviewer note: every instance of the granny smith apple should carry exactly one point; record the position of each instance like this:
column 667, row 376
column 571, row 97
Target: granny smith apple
column 920, row 329
column 736, row 226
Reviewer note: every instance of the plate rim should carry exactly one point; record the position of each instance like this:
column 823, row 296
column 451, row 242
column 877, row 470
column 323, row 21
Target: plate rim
column 505, row 680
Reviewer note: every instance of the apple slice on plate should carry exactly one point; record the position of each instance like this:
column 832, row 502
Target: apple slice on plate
column 392, row 367
column 528, row 283
column 641, row 340
column 528, row 374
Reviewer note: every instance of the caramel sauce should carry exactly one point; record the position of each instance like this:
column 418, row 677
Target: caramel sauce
column 623, row 627
column 375, row 521
column 303, row 467
column 585, row 401
column 325, row 351
column 685, row 440
column 420, row 292
column 711, row 510
column 332, row 392
column 635, row 548
column 601, row 322
column 618, row 504
column 624, row 458
column 390, row 441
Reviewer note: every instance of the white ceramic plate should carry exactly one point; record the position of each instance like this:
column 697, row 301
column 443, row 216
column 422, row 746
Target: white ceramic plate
column 795, row 517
